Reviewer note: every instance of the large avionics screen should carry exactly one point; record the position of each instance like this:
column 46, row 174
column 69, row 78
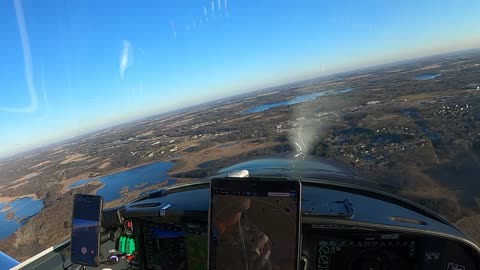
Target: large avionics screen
column 254, row 225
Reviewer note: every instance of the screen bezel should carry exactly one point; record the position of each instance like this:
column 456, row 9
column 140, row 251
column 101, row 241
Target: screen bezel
column 97, row 201
column 252, row 184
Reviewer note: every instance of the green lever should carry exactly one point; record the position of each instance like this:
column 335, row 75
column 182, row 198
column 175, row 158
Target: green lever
column 130, row 246
column 122, row 244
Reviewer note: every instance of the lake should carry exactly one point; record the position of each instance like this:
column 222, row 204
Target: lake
column 424, row 77
column 23, row 208
column 136, row 178
column 295, row 100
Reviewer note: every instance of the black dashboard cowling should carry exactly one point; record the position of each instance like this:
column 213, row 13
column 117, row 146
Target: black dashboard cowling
column 368, row 230
column 112, row 217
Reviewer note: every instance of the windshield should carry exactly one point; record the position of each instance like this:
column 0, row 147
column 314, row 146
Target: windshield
column 119, row 98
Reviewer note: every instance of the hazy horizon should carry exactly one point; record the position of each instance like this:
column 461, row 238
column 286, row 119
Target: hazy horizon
column 169, row 112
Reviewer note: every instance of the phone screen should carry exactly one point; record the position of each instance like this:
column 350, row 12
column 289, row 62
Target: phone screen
column 254, row 224
column 85, row 240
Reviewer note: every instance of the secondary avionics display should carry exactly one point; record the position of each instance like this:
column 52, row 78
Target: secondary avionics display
column 175, row 247
column 254, row 224
column 85, row 243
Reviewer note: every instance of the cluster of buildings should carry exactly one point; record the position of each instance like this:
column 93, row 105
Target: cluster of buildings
column 454, row 111
column 208, row 123
column 369, row 153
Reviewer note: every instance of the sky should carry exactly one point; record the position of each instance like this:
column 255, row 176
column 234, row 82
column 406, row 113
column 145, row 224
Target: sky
column 70, row 67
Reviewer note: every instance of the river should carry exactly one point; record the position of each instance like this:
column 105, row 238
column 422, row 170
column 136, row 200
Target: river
column 424, row 77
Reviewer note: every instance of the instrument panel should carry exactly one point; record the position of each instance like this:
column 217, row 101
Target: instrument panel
column 347, row 249
column 183, row 245
column 171, row 232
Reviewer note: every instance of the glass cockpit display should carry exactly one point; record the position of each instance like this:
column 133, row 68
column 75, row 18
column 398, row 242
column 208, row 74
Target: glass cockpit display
column 254, row 225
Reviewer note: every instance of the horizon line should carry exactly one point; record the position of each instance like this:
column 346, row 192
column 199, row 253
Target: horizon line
column 238, row 94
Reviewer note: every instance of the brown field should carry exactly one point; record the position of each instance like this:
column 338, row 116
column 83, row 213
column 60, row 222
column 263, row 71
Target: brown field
column 105, row 164
column 190, row 161
column 11, row 199
column 74, row 158
column 40, row 164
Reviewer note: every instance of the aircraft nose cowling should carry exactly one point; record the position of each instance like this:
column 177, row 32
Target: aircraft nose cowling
column 274, row 164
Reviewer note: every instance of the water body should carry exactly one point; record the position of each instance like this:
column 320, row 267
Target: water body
column 295, row 100
column 23, row 209
column 143, row 176
column 424, row 77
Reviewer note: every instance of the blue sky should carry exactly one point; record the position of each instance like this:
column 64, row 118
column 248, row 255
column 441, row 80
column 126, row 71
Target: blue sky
column 69, row 67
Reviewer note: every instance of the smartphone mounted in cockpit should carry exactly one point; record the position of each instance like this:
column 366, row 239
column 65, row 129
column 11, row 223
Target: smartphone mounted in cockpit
column 86, row 230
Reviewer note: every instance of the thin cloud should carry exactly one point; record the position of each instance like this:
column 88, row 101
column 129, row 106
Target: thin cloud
column 125, row 58
column 219, row 4
column 225, row 6
column 213, row 6
column 27, row 61
column 172, row 27
column 205, row 12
